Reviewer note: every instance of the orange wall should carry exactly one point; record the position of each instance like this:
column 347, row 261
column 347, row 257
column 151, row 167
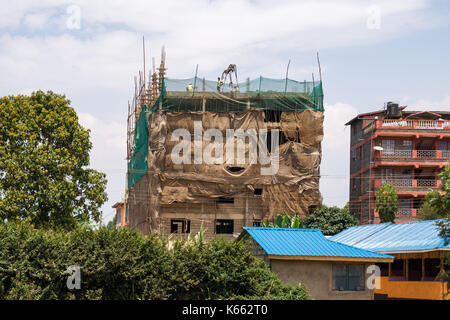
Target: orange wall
column 430, row 290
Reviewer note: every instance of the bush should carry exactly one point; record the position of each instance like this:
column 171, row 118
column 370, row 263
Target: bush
column 123, row 264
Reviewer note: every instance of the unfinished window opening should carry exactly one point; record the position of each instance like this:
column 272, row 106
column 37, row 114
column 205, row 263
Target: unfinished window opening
column 281, row 139
column 257, row 223
column 233, row 169
column 224, row 226
column 272, row 115
column 180, row 226
column 225, row 200
column 257, row 192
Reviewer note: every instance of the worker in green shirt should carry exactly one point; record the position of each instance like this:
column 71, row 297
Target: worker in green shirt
column 219, row 84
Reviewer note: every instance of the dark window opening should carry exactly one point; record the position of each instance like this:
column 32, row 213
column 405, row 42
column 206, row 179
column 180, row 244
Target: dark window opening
column 180, row 226
column 414, row 269
column 348, row 277
column 311, row 209
column 224, row 226
column 397, row 272
column 257, row 223
column 281, row 139
column 234, row 169
column 432, row 267
column 272, row 115
column 225, row 200
column 257, row 192
column 384, row 269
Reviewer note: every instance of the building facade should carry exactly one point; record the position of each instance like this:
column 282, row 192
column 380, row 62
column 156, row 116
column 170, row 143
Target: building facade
column 405, row 149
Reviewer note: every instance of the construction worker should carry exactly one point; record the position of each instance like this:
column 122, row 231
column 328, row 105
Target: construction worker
column 189, row 87
column 219, row 84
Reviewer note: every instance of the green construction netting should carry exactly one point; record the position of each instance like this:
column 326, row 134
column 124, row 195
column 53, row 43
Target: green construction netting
column 261, row 93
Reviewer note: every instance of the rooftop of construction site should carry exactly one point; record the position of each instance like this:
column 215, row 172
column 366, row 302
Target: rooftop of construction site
column 158, row 91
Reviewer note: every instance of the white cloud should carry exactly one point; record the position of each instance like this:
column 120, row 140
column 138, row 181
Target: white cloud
column 108, row 155
column 253, row 34
column 430, row 105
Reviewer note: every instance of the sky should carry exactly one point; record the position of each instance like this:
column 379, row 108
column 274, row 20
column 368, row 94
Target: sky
column 371, row 52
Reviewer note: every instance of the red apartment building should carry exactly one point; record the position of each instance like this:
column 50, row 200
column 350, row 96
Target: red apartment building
column 406, row 149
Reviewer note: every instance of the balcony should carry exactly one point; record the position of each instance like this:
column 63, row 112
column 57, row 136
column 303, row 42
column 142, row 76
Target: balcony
column 408, row 183
column 415, row 154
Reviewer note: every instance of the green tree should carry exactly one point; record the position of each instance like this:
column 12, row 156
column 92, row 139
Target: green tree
column 44, row 154
column 330, row 220
column 113, row 222
column 124, row 264
column 284, row 221
column 427, row 212
column 440, row 202
column 386, row 203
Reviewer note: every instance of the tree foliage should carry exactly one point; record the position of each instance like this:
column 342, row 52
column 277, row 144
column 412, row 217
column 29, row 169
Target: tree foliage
column 44, row 154
column 124, row 264
column 386, row 203
column 440, row 203
column 284, row 221
column 428, row 212
column 330, row 220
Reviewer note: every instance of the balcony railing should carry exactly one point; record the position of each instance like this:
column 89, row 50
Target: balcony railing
column 397, row 182
column 416, row 154
column 413, row 124
column 397, row 123
column 426, row 154
column 405, row 212
column 397, row 154
column 408, row 183
column 427, row 124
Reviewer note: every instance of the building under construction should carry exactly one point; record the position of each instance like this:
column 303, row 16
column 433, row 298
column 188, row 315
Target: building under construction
column 229, row 192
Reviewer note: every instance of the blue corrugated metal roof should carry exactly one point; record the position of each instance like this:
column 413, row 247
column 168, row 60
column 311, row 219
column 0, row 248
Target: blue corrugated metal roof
column 387, row 237
column 304, row 242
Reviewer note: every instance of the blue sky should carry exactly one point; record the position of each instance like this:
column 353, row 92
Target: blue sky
column 371, row 52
